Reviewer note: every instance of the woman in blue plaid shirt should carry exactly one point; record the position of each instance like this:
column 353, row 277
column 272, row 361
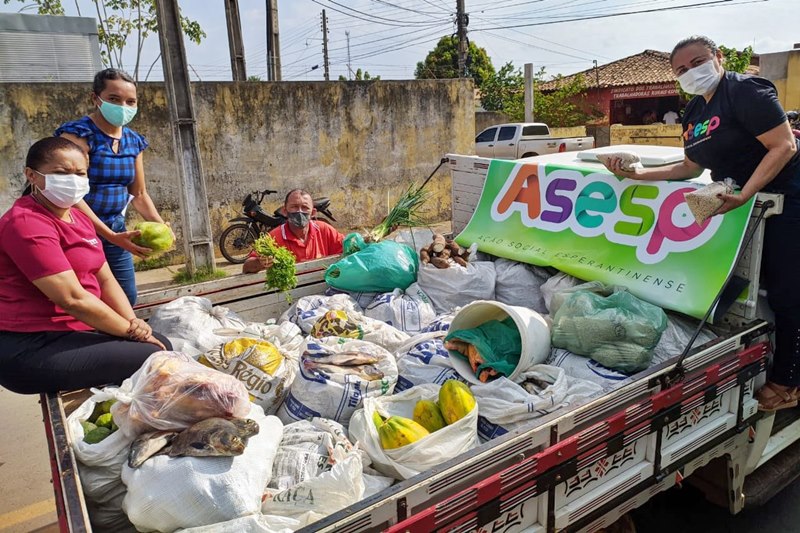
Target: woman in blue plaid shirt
column 116, row 171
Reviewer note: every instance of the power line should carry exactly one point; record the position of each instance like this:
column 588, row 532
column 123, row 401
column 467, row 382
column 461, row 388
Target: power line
column 692, row 6
column 405, row 23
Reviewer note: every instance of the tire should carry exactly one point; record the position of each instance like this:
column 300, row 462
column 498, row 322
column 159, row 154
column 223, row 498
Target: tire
column 236, row 242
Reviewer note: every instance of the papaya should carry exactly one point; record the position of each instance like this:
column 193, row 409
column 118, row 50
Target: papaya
column 398, row 431
column 455, row 400
column 153, row 235
column 428, row 415
column 377, row 419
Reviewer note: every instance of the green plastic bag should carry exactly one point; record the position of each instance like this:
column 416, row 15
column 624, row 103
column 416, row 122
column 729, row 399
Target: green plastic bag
column 352, row 243
column 499, row 343
column 618, row 331
column 380, row 267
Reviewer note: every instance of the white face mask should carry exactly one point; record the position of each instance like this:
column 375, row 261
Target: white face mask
column 701, row 79
column 64, row 190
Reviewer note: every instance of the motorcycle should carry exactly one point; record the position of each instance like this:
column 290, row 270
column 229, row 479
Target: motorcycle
column 236, row 241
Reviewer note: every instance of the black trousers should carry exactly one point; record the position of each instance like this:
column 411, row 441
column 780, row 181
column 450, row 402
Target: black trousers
column 49, row 361
column 781, row 265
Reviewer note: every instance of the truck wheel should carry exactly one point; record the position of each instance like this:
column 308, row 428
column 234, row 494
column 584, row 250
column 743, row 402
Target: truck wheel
column 236, row 242
column 530, row 154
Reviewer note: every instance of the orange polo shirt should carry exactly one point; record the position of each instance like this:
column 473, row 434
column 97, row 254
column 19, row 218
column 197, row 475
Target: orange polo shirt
column 322, row 240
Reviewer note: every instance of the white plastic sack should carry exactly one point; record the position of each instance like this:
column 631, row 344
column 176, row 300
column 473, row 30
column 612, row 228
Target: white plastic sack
column 520, row 284
column 457, row 286
column 166, row 493
column 308, row 448
column 286, row 336
column 254, row 364
column 578, row 366
column 363, row 299
column 506, row 405
column 189, row 323
column 322, row 495
column 100, row 465
column 555, row 284
column 108, row 452
column 414, row 238
column 675, row 338
column 410, row 310
column 336, row 395
column 309, row 309
column 440, row 323
column 408, row 461
column 424, row 359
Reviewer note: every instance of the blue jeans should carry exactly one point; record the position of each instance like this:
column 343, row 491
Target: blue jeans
column 121, row 261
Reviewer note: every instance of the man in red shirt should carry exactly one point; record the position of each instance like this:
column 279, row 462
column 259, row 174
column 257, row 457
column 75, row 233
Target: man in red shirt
column 306, row 238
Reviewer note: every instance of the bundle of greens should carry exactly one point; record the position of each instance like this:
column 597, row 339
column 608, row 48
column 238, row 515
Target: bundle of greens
column 404, row 213
column 281, row 275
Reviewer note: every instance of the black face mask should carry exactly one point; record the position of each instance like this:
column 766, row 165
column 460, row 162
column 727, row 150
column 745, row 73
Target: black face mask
column 299, row 219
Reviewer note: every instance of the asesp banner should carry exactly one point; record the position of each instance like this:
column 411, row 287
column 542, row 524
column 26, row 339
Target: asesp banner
column 596, row 226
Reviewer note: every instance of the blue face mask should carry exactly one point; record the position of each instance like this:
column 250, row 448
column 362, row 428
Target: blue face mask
column 117, row 115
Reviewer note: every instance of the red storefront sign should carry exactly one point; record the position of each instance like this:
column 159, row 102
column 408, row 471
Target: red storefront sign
column 653, row 90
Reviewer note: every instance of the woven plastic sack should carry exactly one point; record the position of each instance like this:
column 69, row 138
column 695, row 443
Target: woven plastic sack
column 410, row 310
column 424, row 359
column 520, row 284
column 382, row 266
column 449, row 288
column 618, row 331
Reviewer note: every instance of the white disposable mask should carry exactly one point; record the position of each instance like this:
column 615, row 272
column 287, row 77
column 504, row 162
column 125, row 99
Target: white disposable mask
column 64, row 190
column 701, row 79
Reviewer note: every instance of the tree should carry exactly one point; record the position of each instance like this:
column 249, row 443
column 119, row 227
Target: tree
column 118, row 20
column 360, row 76
column 505, row 91
column 442, row 62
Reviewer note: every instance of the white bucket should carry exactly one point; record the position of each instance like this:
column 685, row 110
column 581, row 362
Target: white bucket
column 533, row 329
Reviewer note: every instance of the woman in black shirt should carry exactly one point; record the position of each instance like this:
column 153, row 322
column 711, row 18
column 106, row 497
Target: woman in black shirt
column 736, row 127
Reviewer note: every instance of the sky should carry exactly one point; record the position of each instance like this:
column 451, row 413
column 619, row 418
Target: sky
column 388, row 37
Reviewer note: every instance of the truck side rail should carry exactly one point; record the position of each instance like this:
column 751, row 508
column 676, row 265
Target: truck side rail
column 526, row 464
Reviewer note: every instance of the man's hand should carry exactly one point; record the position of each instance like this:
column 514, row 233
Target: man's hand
column 123, row 240
column 731, row 202
column 257, row 264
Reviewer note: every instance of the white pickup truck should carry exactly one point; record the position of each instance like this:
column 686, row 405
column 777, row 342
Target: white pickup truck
column 525, row 139
column 576, row 469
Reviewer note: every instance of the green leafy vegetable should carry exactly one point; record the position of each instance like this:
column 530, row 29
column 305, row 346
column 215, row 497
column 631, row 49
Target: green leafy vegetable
column 404, row 213
column 281, row 275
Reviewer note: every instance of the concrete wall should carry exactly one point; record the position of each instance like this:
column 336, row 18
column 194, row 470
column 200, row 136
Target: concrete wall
column 485, row 119
column 572, row 131
column 783, row 69
column 657, row 134
column 360, row 143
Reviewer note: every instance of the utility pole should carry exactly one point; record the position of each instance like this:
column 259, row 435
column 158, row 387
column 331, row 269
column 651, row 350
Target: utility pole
column 462, row 20
column 273, row 42
column 325, row 44
column 197, row 239
column 235, row 43
column 528, row 92
column 349, row 70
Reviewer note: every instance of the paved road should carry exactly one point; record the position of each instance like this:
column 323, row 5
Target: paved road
column 27, row 502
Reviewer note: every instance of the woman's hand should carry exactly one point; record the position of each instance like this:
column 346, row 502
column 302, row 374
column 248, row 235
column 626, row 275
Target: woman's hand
column 153, row 340
column 123, row 240
column 139, row 330
column 614, row 164
column 731, row 202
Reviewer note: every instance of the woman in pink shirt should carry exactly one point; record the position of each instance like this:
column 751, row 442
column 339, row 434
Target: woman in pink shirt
column 65, row 323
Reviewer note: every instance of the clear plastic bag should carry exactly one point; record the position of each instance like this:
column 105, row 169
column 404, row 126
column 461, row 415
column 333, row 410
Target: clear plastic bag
column 703, row 203
column 618, row 331
column 173, row 391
